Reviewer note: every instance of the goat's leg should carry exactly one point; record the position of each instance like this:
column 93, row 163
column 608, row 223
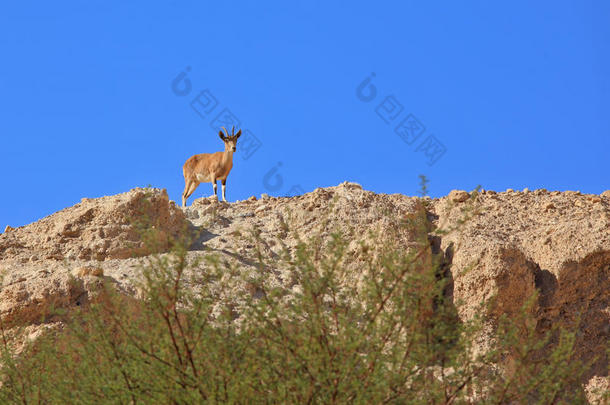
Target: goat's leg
column 188, row 191
column 187, row 185
column 215, row 188
column 224, row 189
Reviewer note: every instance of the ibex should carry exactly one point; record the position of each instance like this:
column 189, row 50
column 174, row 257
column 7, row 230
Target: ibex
column 210, row 167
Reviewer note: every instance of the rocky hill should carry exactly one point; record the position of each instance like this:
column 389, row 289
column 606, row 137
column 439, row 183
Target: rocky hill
column 504, row 245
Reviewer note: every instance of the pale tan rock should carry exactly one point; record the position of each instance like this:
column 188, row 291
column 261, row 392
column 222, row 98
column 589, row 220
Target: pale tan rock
column 99, row 229
column 34, row 300
column 605, row 194
column 595, row 390
column 90, row 271
column 8, row 229
column 508, row 246
column 348, row 184
column 512, row 249
column 458, row 196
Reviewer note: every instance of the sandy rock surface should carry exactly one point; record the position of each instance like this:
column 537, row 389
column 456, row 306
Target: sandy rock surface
column 514, row 243
column 237, row 232
column 96, row 229
column 41, row 264
column 505, row 245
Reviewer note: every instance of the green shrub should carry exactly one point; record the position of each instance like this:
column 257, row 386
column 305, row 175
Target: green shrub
column 394, row 338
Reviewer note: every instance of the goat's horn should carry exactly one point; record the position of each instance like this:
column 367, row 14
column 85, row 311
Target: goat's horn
column 226, row 132
column 233, row 130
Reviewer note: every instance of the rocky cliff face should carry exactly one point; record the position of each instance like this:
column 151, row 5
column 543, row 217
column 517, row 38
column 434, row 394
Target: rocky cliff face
column 515, row 243
column 56, row 262
column 503, row 245
column 96, row 229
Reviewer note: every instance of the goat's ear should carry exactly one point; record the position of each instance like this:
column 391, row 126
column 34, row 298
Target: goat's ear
column 238, row 134
column 221, row 135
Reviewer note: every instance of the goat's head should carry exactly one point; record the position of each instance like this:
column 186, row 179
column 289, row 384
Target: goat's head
column 230, row 140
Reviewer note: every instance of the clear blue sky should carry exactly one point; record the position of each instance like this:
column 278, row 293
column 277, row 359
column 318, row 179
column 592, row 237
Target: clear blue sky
column 516, row 93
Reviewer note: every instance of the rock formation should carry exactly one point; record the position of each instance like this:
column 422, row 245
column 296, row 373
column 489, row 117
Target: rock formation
column 504, row 245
